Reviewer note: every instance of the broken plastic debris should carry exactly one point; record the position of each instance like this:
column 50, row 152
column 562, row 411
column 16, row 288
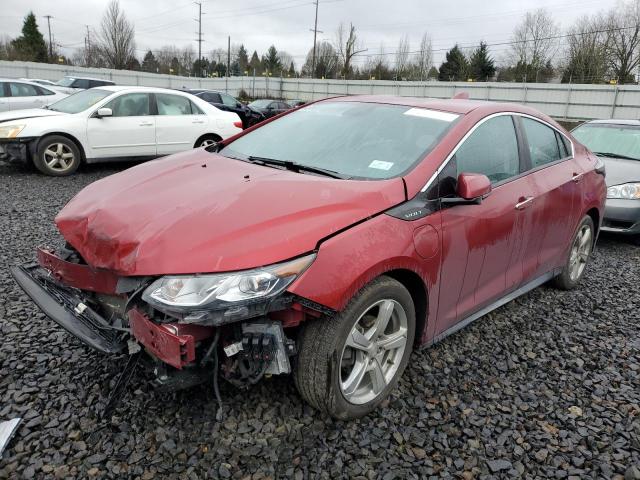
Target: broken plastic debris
column 7, row 430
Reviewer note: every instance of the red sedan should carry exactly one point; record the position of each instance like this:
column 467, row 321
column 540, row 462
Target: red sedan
column 327, row 242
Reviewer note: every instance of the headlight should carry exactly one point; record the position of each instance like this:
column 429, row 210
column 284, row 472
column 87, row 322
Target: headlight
column 10, row 131
column 222, row 297
column 628, row 191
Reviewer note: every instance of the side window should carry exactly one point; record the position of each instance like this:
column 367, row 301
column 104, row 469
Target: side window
column 80, row 83
column 543, row 144
column 567, row 145
column 130, row 105
column 2, row 89
column 228, row 100
column 22, row 90
column 195, row 109
column 492, row 149
column 44, row 91
column 173, row 104
column 211, row 97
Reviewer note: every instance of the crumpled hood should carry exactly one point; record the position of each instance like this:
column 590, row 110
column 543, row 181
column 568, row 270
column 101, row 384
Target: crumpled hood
column 200, row 212
column 12, row 115
column 619, row 171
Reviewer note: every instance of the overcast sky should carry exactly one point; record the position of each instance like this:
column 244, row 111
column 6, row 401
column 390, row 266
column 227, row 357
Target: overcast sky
column 287, row 23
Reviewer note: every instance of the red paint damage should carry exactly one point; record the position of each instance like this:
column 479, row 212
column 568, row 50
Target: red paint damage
column 201, row 212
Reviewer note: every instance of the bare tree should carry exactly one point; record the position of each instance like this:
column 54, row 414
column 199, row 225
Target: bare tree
column 286, row 59
column 424, row 60
column 347, row 46
column 535, row 40
column 377, row 66
column 326, row 61
column 623, row 24
column 587, row 47
column 402, row 57
column 117, row 37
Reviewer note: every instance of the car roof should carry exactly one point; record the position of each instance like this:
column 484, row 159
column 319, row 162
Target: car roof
column 80, row 77
column 452, row 105
column 122, row 88
column 612, row 121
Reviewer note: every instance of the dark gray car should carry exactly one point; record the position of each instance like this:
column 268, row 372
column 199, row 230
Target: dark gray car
column 617, row 143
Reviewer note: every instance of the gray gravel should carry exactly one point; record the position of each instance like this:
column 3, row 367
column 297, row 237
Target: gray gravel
column 547, row 386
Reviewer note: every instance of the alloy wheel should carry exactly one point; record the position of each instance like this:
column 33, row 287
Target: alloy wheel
column 59, row 157
column 373, row 351
column 207, row 142
column 580, row 251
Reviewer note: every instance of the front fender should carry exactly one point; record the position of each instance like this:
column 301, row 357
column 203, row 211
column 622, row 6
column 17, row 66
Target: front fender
column 348, row 261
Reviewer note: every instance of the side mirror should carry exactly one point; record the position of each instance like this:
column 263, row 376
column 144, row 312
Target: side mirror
column 104, row 112
column 471, row 189
column 473, row 185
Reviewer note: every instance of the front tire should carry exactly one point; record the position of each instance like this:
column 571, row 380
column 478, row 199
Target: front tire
column 349, row 363
column 57, row 156
column 578, row 256
column 206, row 141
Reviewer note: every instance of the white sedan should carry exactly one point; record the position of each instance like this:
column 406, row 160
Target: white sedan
column 20, row 94
column 111, row 123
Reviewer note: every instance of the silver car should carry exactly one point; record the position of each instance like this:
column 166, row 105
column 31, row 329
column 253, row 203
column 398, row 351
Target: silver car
column 22, row 94
column 617, row 143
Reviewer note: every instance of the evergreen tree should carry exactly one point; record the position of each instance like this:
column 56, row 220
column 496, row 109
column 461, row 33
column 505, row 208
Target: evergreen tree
column 271, row 62
column 481, row 65
column 242, row 61
column 433, row 72
column 175, row 66
column 149, row 63
column 292, row 70
column 255, row 64
column 455, row 67
column 30, row 45
column 133, row 64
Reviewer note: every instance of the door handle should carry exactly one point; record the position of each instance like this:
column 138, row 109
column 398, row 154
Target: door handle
column 524, row 202
column 577, row 177
column 146, row 124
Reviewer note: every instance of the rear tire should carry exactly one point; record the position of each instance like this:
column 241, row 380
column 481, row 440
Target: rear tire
column 207, row 141
column 349, row 380
column 578, row 256
column 57, row 156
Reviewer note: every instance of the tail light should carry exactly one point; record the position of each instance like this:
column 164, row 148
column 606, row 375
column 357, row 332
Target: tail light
column 237, row 124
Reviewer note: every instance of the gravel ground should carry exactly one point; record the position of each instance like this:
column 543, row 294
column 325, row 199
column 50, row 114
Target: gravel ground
column 547, row 386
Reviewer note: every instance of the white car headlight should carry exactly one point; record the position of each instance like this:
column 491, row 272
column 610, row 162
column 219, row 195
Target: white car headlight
column 627, row 191
column 222, row 297
column 10, row 131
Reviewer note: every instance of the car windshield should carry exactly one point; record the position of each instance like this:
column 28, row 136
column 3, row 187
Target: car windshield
column 260, row 103
column 65, row 82
column 80, row 101
column 610, row 139
column 354, row 139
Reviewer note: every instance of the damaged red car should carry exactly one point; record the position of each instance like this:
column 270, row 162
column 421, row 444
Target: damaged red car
column 328, row 242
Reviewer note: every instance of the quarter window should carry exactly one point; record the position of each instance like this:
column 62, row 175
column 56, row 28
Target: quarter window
column 492, row 150
column 543, row 144
column 228, row 100
column 173, row 104
column 130, row 105
column 23, row 90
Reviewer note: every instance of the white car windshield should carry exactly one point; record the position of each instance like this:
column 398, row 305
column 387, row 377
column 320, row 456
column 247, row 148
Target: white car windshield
column 354, row 139
column 65, row 82
column 80, row 101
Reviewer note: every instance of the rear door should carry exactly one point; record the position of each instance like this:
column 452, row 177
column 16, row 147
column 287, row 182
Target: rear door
column 179, row 123
column 483, row 244
column 558, row 180
column 24, row 95
column 130, row 132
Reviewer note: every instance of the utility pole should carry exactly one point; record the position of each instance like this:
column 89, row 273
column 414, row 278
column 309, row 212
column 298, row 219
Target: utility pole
column 315, row 33
column 199, row 37
column 87, row 52
column 228, row 56
column 48, row 17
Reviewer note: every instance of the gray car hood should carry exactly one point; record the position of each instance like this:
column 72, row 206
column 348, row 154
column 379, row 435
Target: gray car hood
column 621, row 171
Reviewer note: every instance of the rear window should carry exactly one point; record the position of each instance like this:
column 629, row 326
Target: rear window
column 355, row 139
column 610, row 139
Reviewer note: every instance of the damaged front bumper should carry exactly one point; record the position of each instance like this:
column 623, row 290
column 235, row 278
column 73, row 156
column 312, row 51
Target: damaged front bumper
column 18, row 150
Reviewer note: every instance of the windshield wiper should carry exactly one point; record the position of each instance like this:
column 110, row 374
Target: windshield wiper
column 615, row 155
column 297, row 167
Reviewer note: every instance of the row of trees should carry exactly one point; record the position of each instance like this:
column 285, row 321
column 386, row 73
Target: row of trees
column 595, row 49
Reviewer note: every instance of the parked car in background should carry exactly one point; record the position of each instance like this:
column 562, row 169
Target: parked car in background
column 344, row 233
column 269, row 108
column 617, row 143
column 296, row 103
column 40, row 81
column 21, row 94
column 226, row 102
column 72, row 84
column 111, row 123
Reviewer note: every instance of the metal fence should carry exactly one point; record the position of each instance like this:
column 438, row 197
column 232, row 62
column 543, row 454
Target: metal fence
column 561, row 101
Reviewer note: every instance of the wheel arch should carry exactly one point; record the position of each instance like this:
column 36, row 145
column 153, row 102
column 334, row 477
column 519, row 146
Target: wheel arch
column 78, row 143
column 594, row 213
column 418, row 291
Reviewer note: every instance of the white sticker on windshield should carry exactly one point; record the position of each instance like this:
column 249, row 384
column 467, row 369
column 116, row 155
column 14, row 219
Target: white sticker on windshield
column 380, row 165
column 434, row 114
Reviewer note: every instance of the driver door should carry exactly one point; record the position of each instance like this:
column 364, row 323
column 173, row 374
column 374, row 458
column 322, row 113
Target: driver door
column 483, row 244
